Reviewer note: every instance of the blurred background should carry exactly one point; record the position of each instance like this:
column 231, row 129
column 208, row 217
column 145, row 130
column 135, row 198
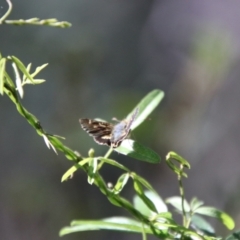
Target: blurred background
column 112, row 56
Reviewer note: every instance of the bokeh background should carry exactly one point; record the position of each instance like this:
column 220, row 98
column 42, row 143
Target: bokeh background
column 113, row 55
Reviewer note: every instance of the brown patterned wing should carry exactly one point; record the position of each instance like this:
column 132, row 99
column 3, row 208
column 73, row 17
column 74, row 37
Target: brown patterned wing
column 100, row 131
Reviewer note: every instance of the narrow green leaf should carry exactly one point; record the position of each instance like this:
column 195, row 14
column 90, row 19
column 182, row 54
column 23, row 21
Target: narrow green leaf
column 146, row 106
column 123, row 220
column 157, row 201
column 74, row 168
column 50, row 20
column 135, row 150
column 142, row 207
column 114, row 202
column 39, row 69
column 116, row 224
column 28, row 70
column 167, row 216
column 32, row 20
column 160, row 206
column 223, row 217
column 69, row 173
column 114, row 163
column 2, row 70
column 29, row 67
column 9, row 80
column 139, row 190
column 93, row 164
column 18, row 80
column 21, row 66
column 142, row 181
column 35, row 81
column 177, row 203
column 122, row 181
column 67, row 151
column 48, row 143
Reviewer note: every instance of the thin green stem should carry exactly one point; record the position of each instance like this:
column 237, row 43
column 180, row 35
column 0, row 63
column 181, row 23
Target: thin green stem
column 181, row 190
column 2, row 19
column 144, row 236
column 188, row 221
column 108, row 153
column 38, row 22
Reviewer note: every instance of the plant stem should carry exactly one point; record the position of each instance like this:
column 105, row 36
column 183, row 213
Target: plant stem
column 181, row 190
column 2, row 19
column 108, row 153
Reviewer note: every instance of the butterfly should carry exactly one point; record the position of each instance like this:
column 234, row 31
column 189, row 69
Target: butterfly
column 107, row 133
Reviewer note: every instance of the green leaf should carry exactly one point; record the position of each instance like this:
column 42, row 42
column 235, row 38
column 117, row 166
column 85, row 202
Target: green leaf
column 115, row 223
column 18, row 80
column 188, row 234
column 178, row 170
column 136, row 150
column 146, row 106
column 21, row 66
column 93, row 164
column 114, row 202
column 39, row 69
column 195, row 204
column 70, row 154
column 234, row 236
column 142, row 181
column 202, row 225
column 122, row 181
column 9, row 80
column 48, row 143
column 220, row 215
column 155, row 199
column 141, row 206
column 177, row 203
column 166, row 216
column 139, row 190
column 28, row 70
column 74, row 168
column 2, row 70
column 180, row 159
column 114, row 163
column 26, row 80
column 35, row 81
column 69, row 173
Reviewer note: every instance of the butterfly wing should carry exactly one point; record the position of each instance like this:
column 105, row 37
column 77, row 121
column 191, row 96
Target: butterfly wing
column 131, row 120
column 121, row 130
column 100, row 131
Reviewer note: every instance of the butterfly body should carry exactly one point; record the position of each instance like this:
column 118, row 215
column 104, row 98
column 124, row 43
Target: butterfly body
column 106, row 133
column 119, row 132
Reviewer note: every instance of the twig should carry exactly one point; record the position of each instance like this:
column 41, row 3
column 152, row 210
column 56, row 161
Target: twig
column 2, row 19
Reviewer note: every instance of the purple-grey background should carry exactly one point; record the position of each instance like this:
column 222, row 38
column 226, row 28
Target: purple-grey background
column 115, row 53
